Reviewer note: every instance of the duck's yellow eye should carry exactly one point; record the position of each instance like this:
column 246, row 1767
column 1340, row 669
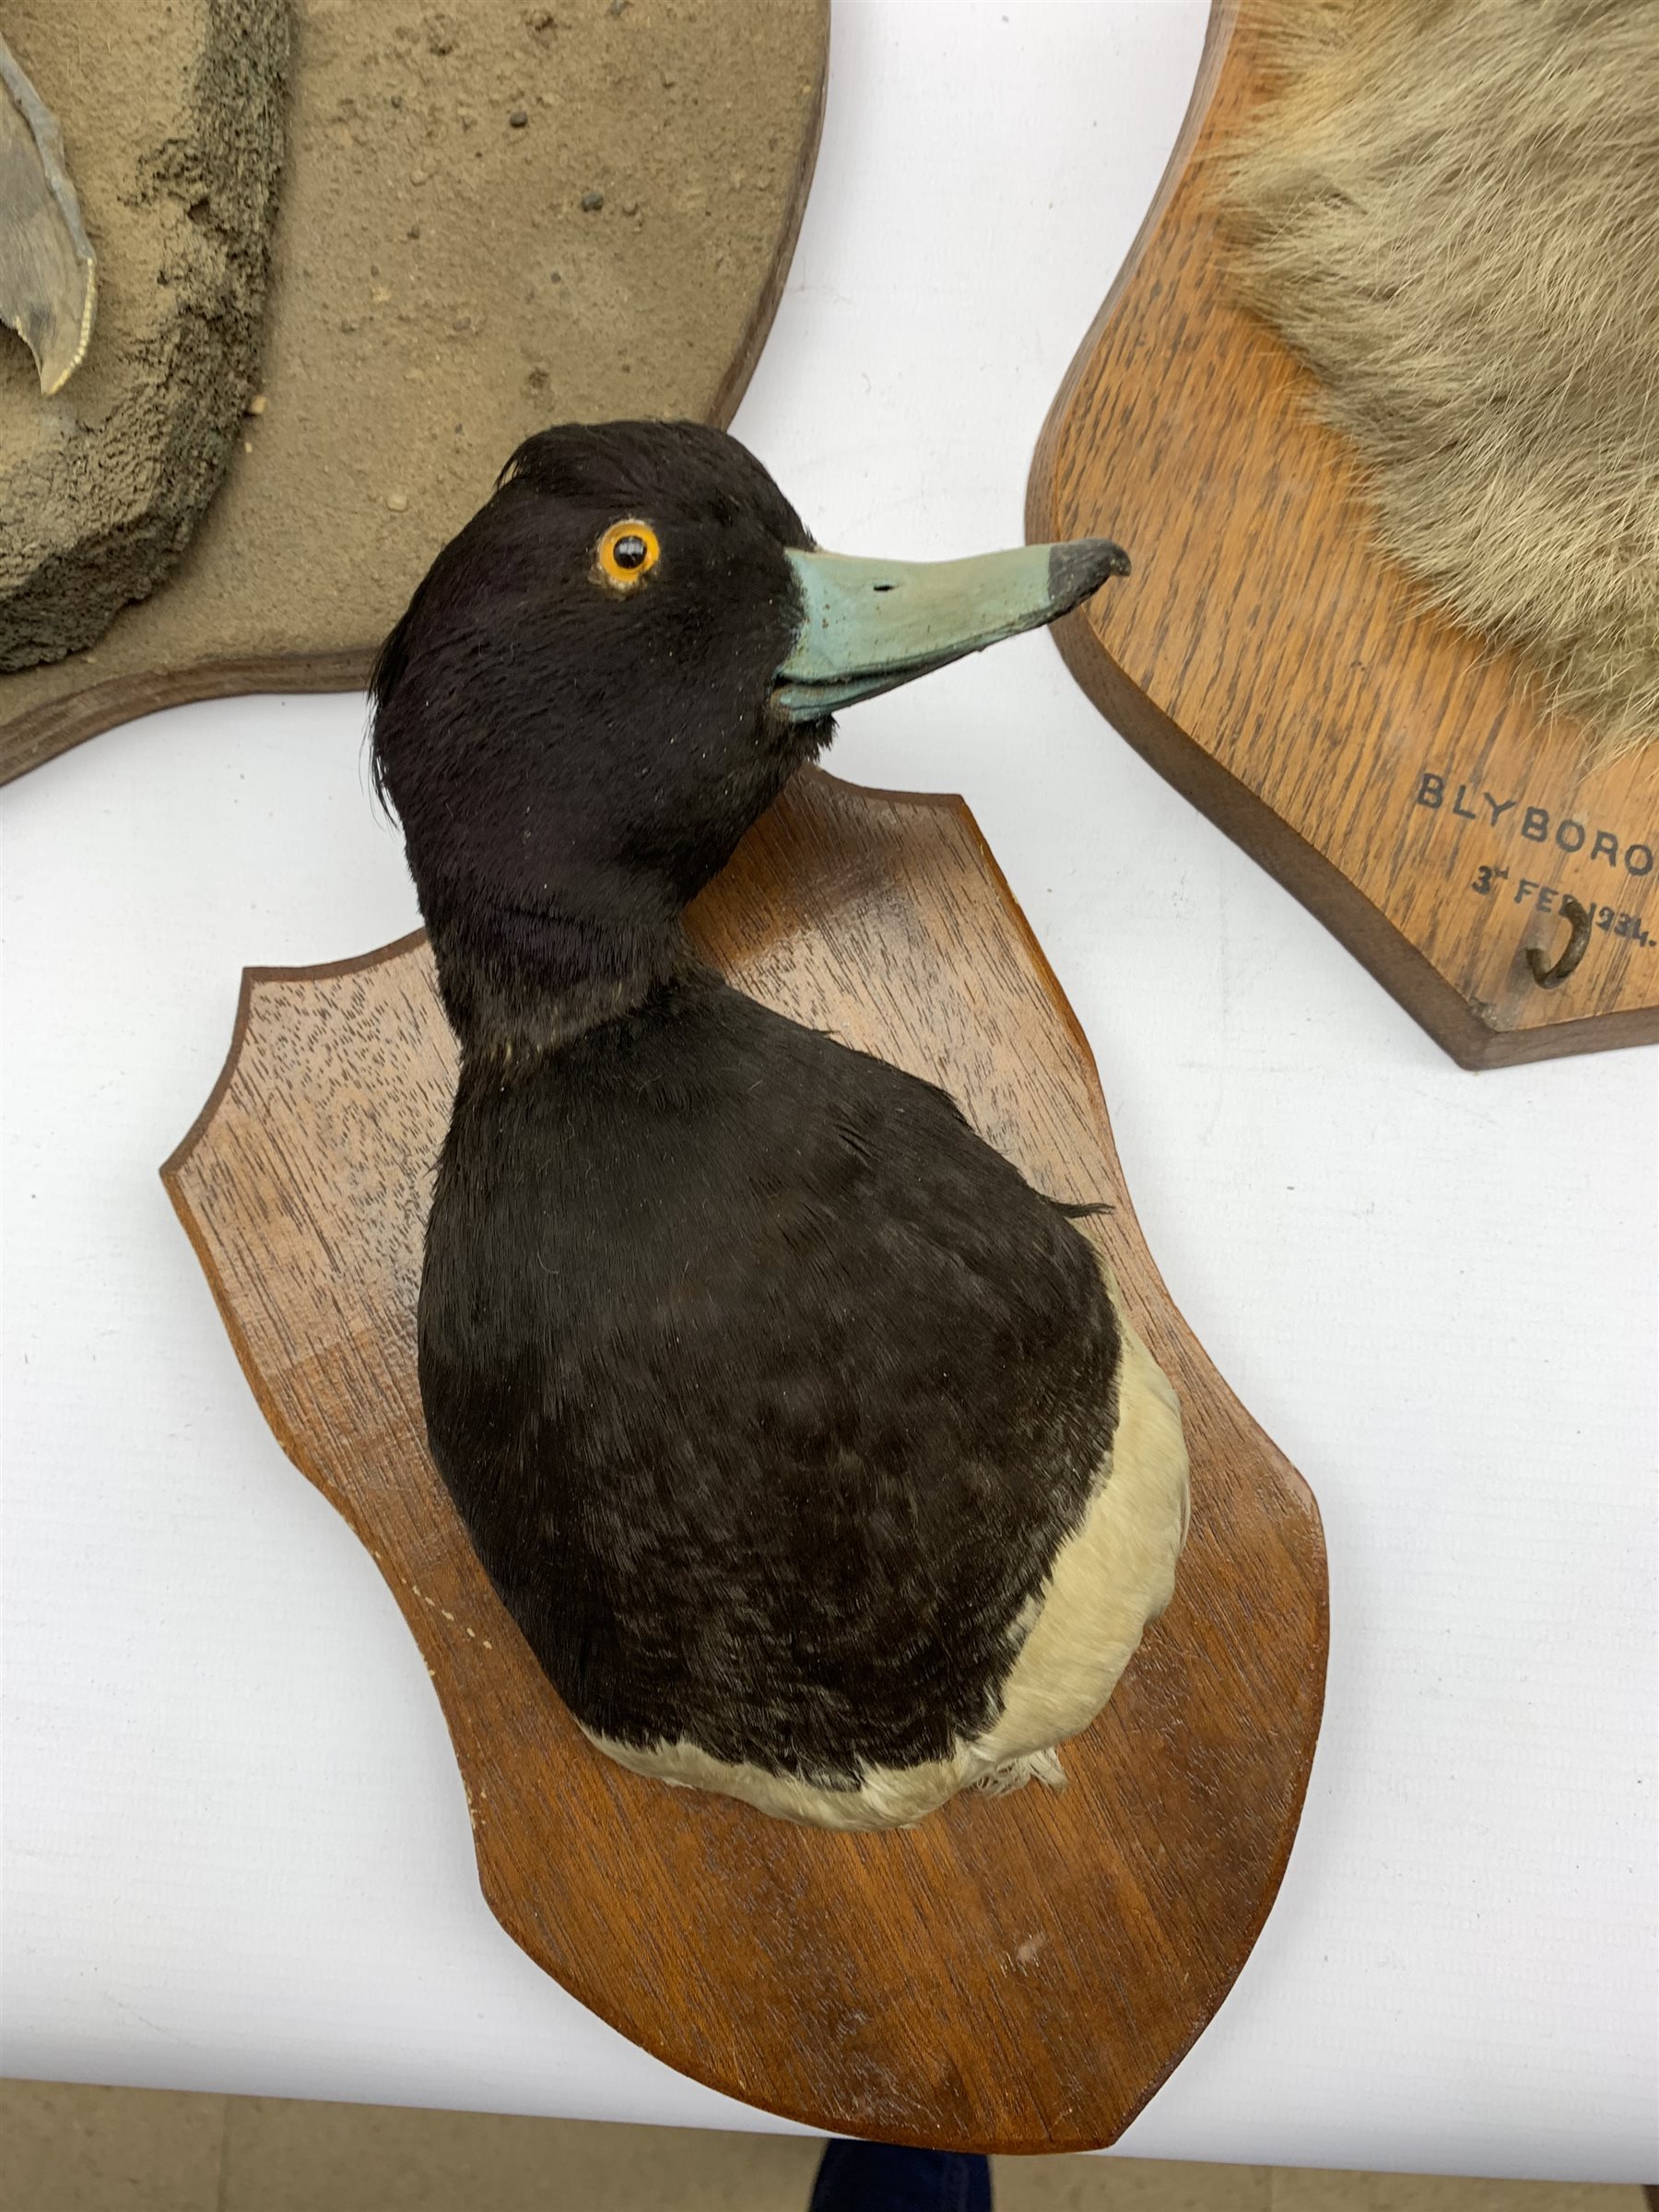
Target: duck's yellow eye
column 628, row 553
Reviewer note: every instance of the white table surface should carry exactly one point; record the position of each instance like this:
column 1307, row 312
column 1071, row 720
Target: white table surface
column 236, row 1847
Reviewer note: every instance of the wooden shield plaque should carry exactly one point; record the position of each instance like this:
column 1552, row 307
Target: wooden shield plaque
column 1400, row 776
column 1014, row 1974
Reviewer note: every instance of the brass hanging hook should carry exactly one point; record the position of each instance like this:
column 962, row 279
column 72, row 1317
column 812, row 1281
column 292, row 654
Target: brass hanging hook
column 1547, row 978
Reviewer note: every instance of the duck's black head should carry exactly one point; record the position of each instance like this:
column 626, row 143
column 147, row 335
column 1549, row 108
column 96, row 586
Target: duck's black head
column 610, row 674
column 574, row 718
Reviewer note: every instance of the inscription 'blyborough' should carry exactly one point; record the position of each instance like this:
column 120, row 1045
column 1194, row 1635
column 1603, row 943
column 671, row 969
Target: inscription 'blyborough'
column 1519, row 817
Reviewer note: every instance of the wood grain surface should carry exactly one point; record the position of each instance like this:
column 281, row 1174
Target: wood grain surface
column 1401, row 777
column 1014, row 1974
column 407, row 196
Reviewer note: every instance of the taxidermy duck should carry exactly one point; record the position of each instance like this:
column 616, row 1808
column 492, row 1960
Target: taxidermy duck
column 805, row 1440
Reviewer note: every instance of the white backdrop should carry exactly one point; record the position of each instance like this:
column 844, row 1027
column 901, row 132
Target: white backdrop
column 236, row 1847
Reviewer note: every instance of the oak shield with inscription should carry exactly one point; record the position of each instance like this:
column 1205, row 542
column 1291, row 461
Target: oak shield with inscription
column 1402, row 777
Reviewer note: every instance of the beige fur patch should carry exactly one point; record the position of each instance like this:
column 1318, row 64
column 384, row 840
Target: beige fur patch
column 1452, row 212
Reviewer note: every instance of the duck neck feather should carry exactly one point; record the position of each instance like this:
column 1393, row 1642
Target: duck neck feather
column 516, row 984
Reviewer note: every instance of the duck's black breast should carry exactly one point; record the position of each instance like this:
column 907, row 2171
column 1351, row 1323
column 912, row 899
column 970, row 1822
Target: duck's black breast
column 767, row 1390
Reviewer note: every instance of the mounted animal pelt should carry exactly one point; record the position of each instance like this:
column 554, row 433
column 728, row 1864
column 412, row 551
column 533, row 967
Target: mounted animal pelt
column 1451, row 213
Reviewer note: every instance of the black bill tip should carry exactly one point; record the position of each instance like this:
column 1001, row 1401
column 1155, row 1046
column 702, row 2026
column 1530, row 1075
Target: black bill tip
column 1081, row 566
